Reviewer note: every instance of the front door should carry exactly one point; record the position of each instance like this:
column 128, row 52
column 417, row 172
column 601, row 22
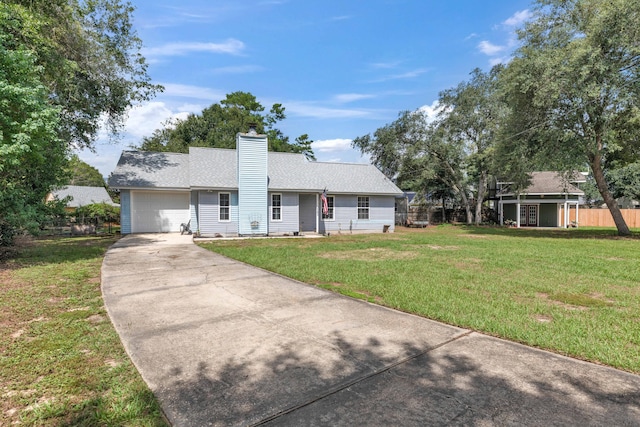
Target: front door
column 529, row 215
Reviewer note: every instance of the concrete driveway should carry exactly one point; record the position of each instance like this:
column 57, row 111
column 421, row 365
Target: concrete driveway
column 223, row 343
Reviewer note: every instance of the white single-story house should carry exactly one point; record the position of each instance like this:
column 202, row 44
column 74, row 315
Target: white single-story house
column 80, row 196
column 250, row 191
column 546, row 202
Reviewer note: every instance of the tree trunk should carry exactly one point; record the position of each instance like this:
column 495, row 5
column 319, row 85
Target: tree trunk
column 444, row 211
column 482, row 184
column 467, row 208
column 595, row 162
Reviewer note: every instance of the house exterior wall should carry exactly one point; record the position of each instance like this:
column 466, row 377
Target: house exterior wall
column 509, row 212
column 290, row 220
column 253, row 211
column 125, row 212
column 209, row 214
column 193, row 208
column 381, row 213
column 548, row 215
column 532, row 198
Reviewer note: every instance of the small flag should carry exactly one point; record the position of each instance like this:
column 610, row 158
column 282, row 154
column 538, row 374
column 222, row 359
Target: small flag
column 325, row 204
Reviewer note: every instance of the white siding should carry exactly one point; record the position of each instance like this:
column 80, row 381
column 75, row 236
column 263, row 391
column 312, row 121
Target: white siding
column 381, row 213
column 193, row 210
column 125, row 212
column 209, row 221
column 290, row 219
column 158, row 211
column 253, row 203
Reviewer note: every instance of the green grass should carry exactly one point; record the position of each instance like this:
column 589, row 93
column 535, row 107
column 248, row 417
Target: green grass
column 61, row 360
column 575, row 292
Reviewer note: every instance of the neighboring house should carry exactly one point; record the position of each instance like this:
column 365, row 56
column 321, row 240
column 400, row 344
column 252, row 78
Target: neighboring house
column 80, row 196
column 546, row 202
column 250, row 191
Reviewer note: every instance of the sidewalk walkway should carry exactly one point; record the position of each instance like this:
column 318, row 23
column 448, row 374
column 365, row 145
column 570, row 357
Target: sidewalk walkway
column 223, row 343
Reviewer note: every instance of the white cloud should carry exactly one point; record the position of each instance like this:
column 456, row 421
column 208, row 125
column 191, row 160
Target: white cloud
column 189, row 91
column 518, row 18
column 309, row 110
column 144, row 119
column 330, row 145
column 351, row 97
column 230, row 46
column 407, row 75
column 431, row 111
column 385, row 65
column 340, row 18
column 490, row 49
column 499, row 60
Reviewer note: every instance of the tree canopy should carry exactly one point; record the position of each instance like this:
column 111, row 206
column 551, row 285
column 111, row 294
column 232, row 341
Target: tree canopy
column 574, row 89
column 65, row 66
column 451, row 154
column 83, row 174
column 90, row 58
column 31, row 151
column 219, row 123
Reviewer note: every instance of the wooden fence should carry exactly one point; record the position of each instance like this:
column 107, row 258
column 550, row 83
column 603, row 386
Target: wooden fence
column 602, row 217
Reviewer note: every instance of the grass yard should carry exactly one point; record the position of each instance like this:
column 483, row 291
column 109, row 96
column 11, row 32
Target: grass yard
column 574, row 292
column 61, row 361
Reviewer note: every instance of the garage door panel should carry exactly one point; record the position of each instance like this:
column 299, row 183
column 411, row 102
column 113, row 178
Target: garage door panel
column 156, row 212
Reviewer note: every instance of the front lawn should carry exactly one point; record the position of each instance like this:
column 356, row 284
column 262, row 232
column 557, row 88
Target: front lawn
column 575, row 292
column 61, row 360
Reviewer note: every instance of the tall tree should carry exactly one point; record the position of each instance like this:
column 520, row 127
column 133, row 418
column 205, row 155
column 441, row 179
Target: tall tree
column 65, row 66
column 218, row 125
column 83, row 174
column 31, row 153
column 455, row 150
column 415, row 153
column 574, row 88
column 472, row 114
column 90, row 59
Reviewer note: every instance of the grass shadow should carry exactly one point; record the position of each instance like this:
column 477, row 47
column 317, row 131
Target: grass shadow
column 548, row 233
column 367, row 387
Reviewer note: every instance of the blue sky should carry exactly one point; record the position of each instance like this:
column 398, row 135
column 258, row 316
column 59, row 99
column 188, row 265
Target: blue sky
column 341, row 68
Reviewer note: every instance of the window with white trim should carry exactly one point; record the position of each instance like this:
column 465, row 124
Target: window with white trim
column 276, row 207
column 363, row 207
column 224, row 213
column 330, row 209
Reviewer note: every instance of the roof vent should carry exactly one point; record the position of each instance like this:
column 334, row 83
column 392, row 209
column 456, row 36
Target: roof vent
column 252, row 129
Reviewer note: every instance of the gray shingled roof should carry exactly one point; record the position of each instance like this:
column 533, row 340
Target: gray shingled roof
column 83, row 196
column 550, row 183
column 144, row 169
column 216, row 168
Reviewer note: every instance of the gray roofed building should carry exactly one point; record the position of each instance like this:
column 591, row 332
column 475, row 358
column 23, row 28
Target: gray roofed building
column 550, row 200
column 223, row 192
column 144, row 169
column 549, row 183
column 217, row 168
column 81, row 196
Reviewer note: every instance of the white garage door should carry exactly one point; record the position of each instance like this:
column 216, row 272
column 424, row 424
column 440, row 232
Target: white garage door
column 158, row 211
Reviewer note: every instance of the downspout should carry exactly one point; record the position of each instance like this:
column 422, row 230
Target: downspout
column 317, row 215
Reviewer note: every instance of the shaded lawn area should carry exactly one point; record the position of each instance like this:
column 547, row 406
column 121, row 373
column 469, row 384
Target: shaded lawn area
column 61, row 361
column 574, row 292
